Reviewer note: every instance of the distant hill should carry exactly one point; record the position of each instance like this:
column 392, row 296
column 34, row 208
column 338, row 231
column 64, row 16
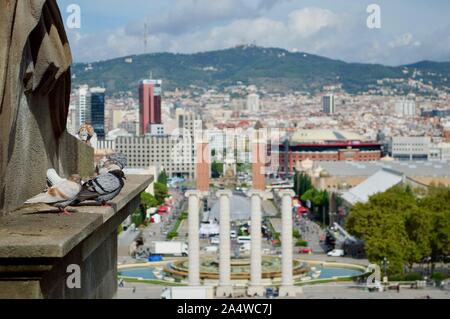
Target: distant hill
column 271, row 68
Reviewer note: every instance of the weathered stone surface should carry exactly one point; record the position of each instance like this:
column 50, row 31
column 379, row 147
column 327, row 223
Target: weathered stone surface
column 34, row 99
column 38, row 231
column 37, row 245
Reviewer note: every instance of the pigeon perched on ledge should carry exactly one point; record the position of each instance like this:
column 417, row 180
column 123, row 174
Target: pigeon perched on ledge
column 111, row 162
column 61, row 192
column 102, row 188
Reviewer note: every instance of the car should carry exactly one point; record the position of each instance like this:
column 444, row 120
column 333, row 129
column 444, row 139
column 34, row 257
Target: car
column 211, row 249
column 336, row 253
column 233, row 234
column 215, row 241
column 305, row 250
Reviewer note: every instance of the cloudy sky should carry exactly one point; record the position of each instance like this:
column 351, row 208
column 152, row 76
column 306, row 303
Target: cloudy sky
column 411, row 30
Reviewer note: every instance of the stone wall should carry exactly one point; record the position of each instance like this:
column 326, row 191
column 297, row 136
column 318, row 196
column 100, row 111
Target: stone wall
column 34, row 149
column 36, row 248
column 35, row 85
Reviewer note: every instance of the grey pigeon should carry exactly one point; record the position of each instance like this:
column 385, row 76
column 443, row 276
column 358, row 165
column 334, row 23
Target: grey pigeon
column 109, row 167
column 61, row 192
column 118, row 159
column 102, row 188
column 110, row 163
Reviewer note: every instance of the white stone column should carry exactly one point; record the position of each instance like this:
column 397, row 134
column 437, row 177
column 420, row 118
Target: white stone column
column 256, row 288
column 193, row 237
column 225, row 288
column 287, row 288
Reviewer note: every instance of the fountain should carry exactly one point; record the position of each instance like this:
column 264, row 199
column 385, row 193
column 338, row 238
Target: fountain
column 240, row 268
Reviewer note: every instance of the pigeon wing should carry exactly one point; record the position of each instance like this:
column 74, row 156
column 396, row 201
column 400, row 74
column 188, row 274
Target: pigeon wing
column 62, row 192
column 100, row 186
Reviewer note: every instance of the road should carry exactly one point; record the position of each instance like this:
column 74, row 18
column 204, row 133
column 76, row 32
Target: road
column 325, row 291
column 312, row 233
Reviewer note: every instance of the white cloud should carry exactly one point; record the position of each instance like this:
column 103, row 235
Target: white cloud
column 202, row 25
column 309, row 21
column 188, row 15
column 402, row 40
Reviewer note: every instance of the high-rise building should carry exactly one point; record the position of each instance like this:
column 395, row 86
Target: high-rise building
column 328, row 105
column 405, row 108
column 253, row 103
column 82, row 106
column 149, row 105
column 98, row 111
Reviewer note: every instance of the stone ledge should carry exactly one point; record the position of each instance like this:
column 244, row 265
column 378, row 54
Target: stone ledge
column 37, row 231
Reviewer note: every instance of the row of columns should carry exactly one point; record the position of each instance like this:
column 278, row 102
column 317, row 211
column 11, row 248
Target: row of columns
column 256, row 287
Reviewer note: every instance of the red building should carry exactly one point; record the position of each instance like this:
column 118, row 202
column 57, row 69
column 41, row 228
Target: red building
column 149, row 104
column 346, row 150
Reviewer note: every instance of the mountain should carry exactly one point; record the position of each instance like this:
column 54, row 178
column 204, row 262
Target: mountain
column 271, row 68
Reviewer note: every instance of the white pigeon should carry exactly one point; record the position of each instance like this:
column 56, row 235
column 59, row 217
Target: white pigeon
column 61, row 192
column 53, row 178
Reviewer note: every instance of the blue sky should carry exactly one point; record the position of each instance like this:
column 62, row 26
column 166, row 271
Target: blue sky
column 411, row 30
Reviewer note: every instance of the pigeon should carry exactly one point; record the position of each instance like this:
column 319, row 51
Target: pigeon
column 102, row 188
column 109, row 167
column 60, row 193
column 53, row 178
column 110, row 163
column 118, row 159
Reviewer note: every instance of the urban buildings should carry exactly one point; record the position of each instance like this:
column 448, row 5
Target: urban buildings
column 253, row 103
column 98, row 111
column 325, row 145
column 88, row 107
column 341, row 176
column 173, row 152
column 150, row 105
column 436, row 113
column 328, row 104
column 82, row 106
column 411, row 147
column 405, row 108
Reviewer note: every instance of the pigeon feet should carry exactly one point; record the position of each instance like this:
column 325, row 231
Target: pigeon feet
column 104, row 204
column 65, row 212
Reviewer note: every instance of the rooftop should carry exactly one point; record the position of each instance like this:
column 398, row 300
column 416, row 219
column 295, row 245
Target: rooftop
column 409, row 168
column 321, row 135
column 377, row 183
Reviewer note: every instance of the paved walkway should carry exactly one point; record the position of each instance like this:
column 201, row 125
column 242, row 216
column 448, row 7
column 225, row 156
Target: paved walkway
column 312, row 233
column 326, row 291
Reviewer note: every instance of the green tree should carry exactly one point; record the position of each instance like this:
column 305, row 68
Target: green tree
column 399, row 226
column 161, row 192
column 216, row 169
column 437, row 204
column 148, row 200
column 162, row 177
column 302, row 183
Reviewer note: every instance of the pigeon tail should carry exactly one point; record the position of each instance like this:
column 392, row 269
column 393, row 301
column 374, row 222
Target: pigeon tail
column 53, row 178
column 41, row 198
